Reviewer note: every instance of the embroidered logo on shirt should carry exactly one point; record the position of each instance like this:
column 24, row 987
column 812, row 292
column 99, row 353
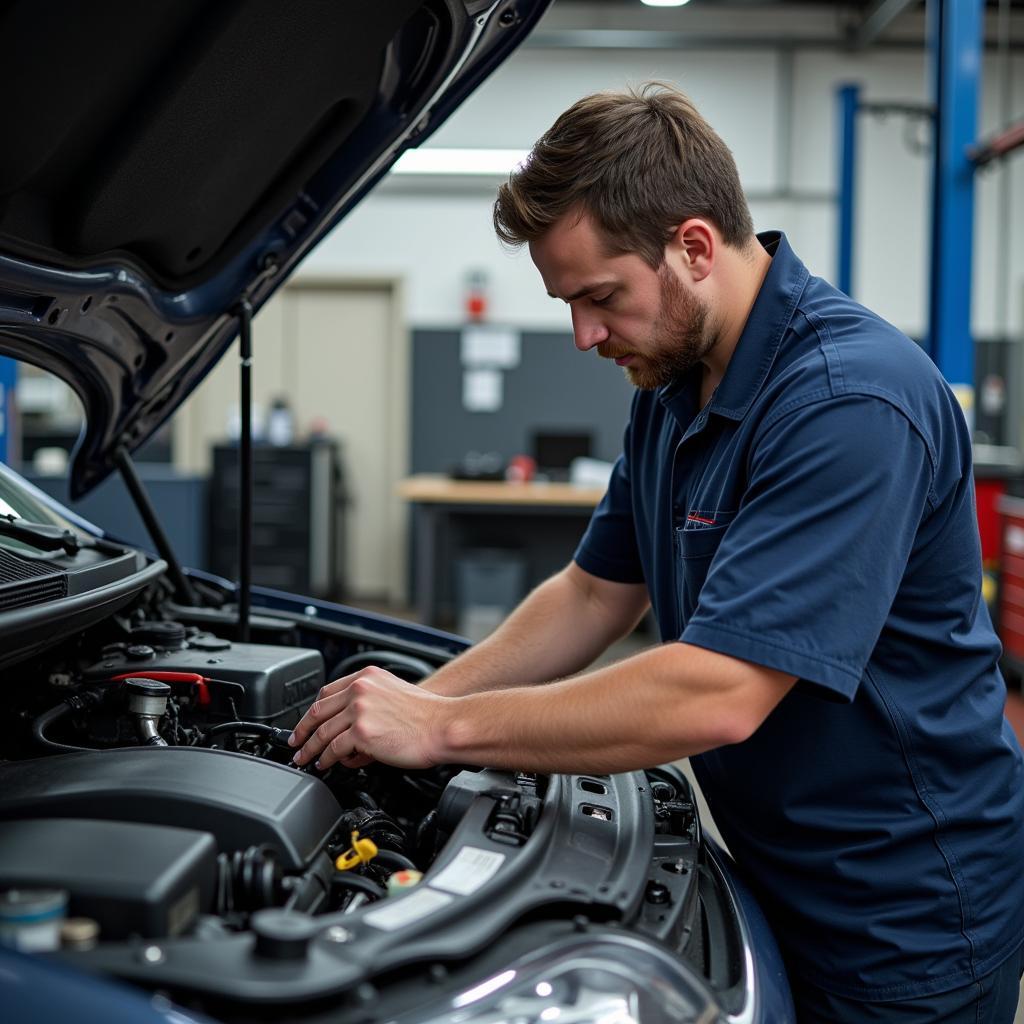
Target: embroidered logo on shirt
column 693, row 517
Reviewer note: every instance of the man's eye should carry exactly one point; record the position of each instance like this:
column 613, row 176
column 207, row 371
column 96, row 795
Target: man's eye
column 603, row 300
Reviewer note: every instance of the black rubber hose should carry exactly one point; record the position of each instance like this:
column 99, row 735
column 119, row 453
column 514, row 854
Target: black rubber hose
column 406, row 666
column 357, row 883
column 394, row 861
column 366, row 800
column 44, row 721
column 277, row 736
column 423, row 846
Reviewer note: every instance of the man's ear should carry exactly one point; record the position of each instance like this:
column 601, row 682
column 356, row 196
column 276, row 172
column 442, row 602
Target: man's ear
column 694, row 246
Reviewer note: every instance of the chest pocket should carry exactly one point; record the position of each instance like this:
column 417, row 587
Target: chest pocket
column 696, row 546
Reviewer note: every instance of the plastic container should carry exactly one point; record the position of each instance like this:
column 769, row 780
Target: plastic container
column 31, row 919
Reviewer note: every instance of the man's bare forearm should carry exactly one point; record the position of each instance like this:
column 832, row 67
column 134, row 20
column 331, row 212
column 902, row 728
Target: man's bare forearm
column 557, row 630
column 668, row 702
column 671, row 701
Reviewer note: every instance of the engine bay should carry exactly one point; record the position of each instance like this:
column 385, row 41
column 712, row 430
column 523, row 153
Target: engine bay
column 154, row 830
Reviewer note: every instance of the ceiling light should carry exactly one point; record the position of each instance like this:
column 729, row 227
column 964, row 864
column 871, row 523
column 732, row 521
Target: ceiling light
column 459, row 161
column 665, row 3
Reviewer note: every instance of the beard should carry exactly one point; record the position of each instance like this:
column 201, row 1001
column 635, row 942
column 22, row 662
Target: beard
column 679, row 338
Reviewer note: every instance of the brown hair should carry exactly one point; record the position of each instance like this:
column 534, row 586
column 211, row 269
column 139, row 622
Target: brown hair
column 639, row 162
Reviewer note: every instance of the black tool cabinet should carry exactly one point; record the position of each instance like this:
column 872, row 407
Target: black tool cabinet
column 298, row 525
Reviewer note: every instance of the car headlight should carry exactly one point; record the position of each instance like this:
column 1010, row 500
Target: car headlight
column 586, row 979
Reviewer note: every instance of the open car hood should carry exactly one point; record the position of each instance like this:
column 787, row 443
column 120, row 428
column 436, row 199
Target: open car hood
column 165, row 162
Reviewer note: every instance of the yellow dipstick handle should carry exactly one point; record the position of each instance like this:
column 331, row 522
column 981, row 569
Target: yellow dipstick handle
column 362, row 852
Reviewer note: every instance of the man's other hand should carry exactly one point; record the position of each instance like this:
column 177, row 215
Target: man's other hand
column 371, row 715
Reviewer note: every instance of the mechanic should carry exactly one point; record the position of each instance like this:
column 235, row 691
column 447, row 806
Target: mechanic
column 795, row 500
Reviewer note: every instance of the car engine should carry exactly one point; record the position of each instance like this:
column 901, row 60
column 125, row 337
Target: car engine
column 147, row 777
column 154, row 830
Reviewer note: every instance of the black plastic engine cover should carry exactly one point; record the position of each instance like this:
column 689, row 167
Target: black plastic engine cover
column 274, row 683
column 240, row 800
column 146, row 880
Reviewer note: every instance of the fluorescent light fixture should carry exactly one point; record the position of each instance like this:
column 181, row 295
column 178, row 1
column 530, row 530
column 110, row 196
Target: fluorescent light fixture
column 459, row 161
column 664, row 3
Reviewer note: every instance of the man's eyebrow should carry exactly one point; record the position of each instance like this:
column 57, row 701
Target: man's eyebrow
column 585, row 290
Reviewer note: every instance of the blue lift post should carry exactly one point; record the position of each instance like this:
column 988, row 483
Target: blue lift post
column 848, row 97
column 849, row 107
column 954, row 29
column 8, row 381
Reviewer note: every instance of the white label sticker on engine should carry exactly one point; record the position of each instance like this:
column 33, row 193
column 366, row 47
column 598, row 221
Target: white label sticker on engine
column 397, row 913
column 470, row 869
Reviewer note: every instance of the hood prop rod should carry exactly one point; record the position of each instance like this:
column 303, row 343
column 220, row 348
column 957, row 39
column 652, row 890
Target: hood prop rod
column 245, row 484
column 182, row 588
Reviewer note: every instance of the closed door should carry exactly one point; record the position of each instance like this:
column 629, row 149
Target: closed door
column 337, row 352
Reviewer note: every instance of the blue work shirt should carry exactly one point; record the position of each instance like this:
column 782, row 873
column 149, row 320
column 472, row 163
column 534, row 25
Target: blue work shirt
column 817, row 517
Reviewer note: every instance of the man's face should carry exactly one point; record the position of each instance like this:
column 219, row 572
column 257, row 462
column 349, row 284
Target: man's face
column 647, row 320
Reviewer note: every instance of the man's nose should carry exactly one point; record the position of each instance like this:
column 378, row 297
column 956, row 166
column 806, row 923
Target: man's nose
column 587, row 330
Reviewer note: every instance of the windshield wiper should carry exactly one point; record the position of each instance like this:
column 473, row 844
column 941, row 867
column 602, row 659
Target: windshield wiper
column 39, row 535
column 44, row 537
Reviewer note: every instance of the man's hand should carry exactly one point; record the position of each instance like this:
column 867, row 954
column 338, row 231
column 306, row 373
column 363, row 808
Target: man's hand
column 371, row 715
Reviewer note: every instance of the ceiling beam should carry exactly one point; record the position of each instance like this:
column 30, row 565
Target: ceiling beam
column 876, row 20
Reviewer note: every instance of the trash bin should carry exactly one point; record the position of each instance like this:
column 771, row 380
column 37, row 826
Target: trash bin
column 489, row 583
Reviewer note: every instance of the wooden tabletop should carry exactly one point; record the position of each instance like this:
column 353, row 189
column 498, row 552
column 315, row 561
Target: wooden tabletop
column 428, row 487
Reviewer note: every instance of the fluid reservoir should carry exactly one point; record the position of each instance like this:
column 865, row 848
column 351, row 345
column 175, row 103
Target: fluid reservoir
column 399, row 881
column 31, row 919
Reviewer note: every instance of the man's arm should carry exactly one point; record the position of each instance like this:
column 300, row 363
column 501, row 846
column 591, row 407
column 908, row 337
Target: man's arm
column 673, row 701
column 666, row 703
column 559, row 629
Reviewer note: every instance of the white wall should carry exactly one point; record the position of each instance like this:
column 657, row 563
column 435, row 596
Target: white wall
column 434, row 238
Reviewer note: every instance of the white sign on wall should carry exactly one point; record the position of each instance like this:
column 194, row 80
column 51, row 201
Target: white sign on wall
column 490, row 346
column 482, row 390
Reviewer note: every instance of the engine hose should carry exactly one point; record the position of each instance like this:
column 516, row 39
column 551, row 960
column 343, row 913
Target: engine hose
column 248, row 880
column 375, row 825
column 393, row 861
column 405, row 666
column 279, row 737
column 357, row 883
column 44, row 721
column 425, row 843
column 366, row 800
column 257, row 877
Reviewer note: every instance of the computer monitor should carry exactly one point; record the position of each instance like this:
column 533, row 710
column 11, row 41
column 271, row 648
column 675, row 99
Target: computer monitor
column 555, row 450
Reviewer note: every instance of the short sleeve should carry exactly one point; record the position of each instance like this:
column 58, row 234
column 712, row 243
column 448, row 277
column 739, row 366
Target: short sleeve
column 806, row 574
column 609, row 548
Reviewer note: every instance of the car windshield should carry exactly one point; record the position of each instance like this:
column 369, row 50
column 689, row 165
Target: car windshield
column 16, row 500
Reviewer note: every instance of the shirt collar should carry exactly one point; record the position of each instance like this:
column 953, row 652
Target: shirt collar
column 762, row 334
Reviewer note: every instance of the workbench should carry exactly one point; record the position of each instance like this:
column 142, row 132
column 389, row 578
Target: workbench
column 544, row 521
